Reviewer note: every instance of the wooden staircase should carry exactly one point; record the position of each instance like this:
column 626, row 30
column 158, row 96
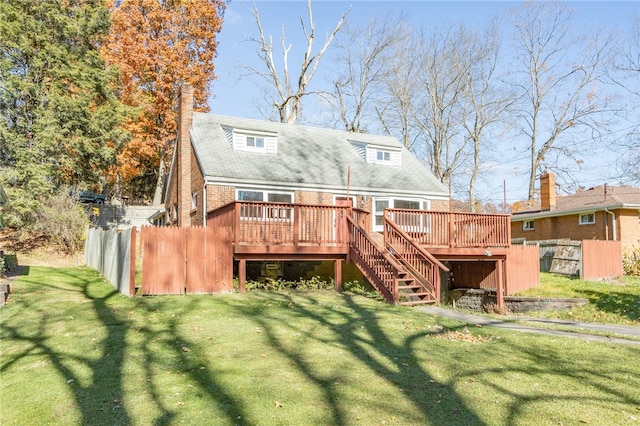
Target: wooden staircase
column 402, row 272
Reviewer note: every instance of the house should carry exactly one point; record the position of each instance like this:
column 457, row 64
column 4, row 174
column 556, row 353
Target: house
column 225, row 159
column 274, row 193
column 600, row 213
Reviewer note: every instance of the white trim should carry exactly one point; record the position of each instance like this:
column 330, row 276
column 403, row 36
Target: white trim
column 287, row 186
column 264, row 191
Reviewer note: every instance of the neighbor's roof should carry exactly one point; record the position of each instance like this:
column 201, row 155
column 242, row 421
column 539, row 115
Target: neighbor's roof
column 307, row 157
column 616, row 197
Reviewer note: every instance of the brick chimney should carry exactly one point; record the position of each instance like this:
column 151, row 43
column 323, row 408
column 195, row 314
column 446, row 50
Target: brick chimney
column 185, row 118
column 547, row 191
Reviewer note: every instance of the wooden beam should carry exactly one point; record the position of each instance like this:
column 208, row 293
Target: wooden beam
column 500, row 289
column 267, row 250
column 242, row 275
column 337, row 272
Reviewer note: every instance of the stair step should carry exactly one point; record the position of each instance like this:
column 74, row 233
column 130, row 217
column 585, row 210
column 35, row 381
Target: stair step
column 416, row 294
column 416, row 302
column 409, row 287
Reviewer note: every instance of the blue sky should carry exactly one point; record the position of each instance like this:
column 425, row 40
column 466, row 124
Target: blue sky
column 236, row 94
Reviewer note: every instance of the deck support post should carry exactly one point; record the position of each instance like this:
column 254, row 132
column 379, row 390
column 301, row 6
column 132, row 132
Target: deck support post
column 242, row 275
column 500, row 289
column 337, row 273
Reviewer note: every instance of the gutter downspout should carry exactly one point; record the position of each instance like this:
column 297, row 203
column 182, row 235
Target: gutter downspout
column 204, row 204
column 613, row 221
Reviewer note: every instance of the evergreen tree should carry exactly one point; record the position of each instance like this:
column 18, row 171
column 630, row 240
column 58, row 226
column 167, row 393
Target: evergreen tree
column 59, row 119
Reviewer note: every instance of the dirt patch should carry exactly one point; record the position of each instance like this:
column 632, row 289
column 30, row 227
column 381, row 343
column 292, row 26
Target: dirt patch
column 35, row 251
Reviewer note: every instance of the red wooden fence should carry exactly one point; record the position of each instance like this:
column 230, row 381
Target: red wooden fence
column 523, row 268
column 601, row 259
column 191, row 260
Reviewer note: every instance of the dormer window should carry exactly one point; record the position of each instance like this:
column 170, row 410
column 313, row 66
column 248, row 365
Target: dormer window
column 254, row 141
column 383, row 156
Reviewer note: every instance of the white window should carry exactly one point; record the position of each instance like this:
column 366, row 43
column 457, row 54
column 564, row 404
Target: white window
column 194, row 201
column 587, row 218
column 528, row 225
column 383, row 156
column 393, row 203
column 270, row 212
column 255, row 142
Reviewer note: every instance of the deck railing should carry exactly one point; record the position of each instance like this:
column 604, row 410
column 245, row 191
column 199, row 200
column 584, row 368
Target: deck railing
column 453, row 229
column 263, row 223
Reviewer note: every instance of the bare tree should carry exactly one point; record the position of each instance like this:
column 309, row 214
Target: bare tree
column 289, row 92
column 364, row 57
column 400, row 93
column 561, row 84
column 439, row 114
column 626, row 74
column 486, row 100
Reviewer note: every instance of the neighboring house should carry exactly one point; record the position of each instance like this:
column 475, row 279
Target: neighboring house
column 225, row 159
column 599, row 213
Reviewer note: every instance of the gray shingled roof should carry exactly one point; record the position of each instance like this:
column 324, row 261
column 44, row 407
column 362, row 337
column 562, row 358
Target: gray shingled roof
column 591, row 199
column 306, row 157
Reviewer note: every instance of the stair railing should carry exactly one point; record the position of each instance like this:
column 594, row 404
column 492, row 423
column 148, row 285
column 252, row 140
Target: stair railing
column 378, row 266
column 422, row 264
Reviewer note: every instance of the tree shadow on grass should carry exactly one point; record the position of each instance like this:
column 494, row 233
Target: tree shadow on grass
column 98, row 397
column 359, row 332
column 610, row 390
column 183, row 356
column 623, row 304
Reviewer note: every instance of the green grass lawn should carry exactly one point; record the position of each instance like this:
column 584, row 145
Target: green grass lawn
column 76, row 352
column 612, row 302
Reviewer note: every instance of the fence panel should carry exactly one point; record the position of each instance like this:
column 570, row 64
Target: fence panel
column 163, row 260
column 109, row 252
column 601, row 259
column 209, row 260
column 523, row 268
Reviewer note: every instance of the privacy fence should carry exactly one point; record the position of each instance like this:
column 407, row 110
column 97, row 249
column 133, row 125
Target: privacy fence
column 191, row 260
column 112, row 253
column 587, row 259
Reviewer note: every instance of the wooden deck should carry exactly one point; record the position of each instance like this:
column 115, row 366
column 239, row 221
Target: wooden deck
column 405, row 267
column 278, row 228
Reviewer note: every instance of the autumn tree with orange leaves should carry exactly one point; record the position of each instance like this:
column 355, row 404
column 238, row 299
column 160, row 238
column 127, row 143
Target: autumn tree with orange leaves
column 158, row 45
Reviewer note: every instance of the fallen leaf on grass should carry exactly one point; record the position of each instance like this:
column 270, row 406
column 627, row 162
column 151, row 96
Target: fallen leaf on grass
column 279, row 404
column 461, row 336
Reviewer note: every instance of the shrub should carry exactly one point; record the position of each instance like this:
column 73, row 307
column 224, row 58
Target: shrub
column 631, row 262
column 62, row 221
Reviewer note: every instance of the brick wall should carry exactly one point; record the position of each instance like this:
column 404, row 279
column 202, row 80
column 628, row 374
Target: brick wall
column 219, row 195
column 629, row 229
column 440, row 205
column 185, row 117
column 311, row 197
